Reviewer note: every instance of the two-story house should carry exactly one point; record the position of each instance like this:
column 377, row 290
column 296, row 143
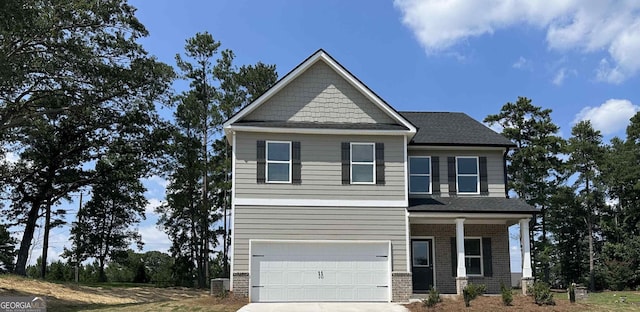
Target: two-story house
column 339, row 197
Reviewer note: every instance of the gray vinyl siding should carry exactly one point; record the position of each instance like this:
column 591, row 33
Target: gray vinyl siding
column 319, row 223
column 495, row 168
column 321, row 169
column 320, row 95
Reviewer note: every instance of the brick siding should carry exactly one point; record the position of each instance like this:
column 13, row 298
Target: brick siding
column 445, row 280
column 241, row 284
column 402, row 287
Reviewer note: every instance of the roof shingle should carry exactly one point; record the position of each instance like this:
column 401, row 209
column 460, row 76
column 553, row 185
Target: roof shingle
column 450, row 129
column 470, row 204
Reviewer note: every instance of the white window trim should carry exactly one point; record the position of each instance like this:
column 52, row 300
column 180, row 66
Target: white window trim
column 481, row 256
column 477, row 175
column 420, row 175
column 351, row 162
column 267, row 162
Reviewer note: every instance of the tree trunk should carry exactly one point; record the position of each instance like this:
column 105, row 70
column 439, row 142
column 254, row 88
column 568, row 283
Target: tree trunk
column 591, row 265
column 45, row 241
column 590, row 225
column 545, row 264
column 27, row 237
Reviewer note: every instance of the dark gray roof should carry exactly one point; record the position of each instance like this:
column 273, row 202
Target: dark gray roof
column 321, row 125
column 452, row 129
column 470, row 204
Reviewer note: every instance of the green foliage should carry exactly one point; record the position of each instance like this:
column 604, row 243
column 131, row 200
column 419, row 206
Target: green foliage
column 7, row 250
column 200, row 193
column 89, row 88
column 141, row 274
column 542, row 294
column 471, row 292
column 535, row 167
column 433, row 299
column 507, row 294
column 117, row 203
column 128, row 268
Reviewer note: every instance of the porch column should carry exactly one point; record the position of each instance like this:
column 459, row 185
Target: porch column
column 461, row 276
column 525, row 244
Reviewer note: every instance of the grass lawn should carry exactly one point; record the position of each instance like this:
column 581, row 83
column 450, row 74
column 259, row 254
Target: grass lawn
column 614, row 301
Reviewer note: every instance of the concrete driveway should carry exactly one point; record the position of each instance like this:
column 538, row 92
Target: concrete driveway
column 323, row 307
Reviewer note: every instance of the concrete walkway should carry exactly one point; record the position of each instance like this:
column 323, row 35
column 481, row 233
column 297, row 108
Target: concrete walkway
column 323, row 307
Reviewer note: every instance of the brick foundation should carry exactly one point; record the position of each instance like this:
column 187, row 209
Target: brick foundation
column 241, row 284
column 402, row 286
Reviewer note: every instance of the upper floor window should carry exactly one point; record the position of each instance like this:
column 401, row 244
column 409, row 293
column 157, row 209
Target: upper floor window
column 278, row 162
column 363, row 163
column 468, row 179
column 420, row 175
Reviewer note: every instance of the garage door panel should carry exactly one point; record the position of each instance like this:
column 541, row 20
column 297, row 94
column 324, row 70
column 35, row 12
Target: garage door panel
column 314, row 271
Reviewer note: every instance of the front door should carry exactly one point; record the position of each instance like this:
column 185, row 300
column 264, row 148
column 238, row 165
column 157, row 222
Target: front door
column 422, row 264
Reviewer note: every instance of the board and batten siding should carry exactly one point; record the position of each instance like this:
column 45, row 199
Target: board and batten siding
column 321, row 171
column 319, row 223
column 495, row 168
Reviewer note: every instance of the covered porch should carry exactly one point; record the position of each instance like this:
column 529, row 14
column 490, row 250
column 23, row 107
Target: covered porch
column 454, row 241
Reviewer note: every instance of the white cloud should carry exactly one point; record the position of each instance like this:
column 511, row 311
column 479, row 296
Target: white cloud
column 562, row 74
column 11, row 158
column 495, row 127
column 152, row 204
column 522, row 63
column 587, row 26
column 610, row 117
column 559, row 77
column 154, row 239
column 158, row 180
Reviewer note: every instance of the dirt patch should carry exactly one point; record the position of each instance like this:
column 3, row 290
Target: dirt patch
column 494, row 303
column 71, row 296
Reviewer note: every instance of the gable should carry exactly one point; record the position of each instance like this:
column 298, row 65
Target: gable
column 320, row 95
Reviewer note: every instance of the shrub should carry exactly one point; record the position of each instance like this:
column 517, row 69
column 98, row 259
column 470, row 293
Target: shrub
column 542, row 294
column 507, row 295
column 433, row 299
column 472, row 291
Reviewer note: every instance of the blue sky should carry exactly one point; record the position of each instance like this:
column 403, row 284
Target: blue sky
column 578, row 58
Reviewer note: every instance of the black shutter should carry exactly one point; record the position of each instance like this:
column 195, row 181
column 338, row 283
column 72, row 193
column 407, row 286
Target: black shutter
column 486, row 257
column 454, row 257
column 380, row 163
column 435, row 175
column 484, row 184
column 346, row 163
column 296, row 166
column 260, row 161
column 451, row 164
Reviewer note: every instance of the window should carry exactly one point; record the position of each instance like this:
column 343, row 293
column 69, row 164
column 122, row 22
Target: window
column 420, row 175
column 467, row 175
column 473, row 256
column 420, row 253
column 278, row 162
column 362, row 163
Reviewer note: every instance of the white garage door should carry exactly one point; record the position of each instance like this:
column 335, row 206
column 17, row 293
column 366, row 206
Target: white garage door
column 320, row 271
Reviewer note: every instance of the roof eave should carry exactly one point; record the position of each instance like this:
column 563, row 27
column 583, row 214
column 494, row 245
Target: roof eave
column 463, row 144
